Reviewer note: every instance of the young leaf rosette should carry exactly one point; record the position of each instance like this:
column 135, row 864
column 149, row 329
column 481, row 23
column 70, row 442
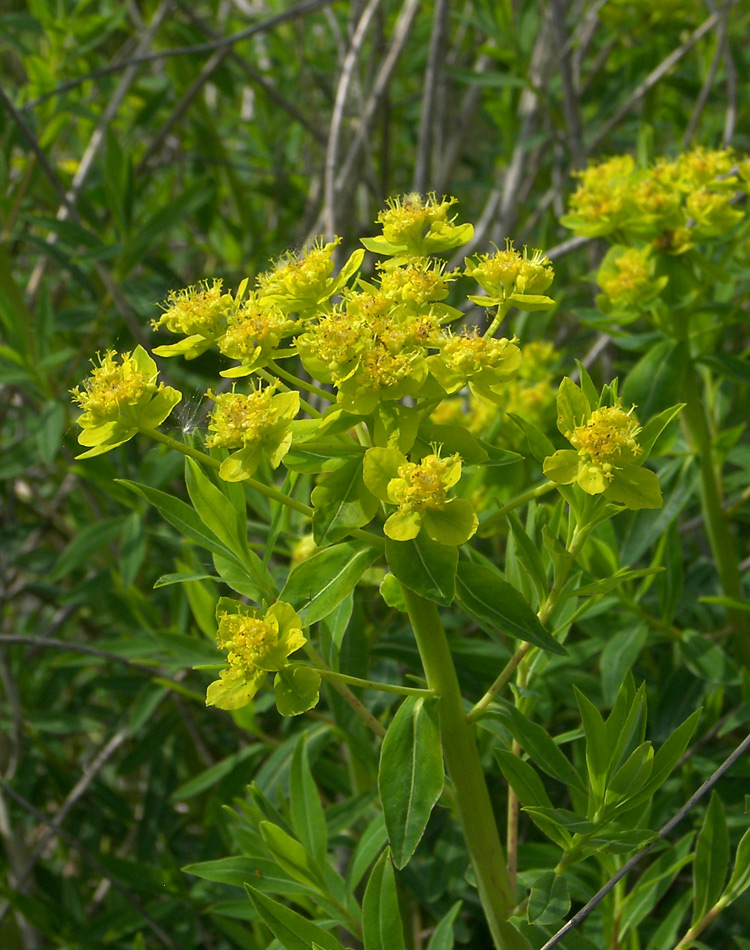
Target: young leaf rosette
column 606, row 457
column 120, row 399
column 257, row 644
column 420, row 490
column 257, row 424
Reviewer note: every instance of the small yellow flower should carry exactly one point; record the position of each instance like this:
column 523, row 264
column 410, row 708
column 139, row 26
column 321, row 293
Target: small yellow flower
column 256, row 424
column 509, row 276
column 253, row 331
column 484, row 363
column 256, row 643
column 120, row 399
column 627, row 278
column 416, row 226
column 606, row 454
column 301, row 282
column 420, row 490
column 200, row 313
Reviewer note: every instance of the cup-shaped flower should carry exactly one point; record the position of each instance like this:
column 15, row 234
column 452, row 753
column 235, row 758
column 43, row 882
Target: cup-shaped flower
column 628, row 281
column 599, row 204
column 199, row 313
column 257, row 424
column 420, row 491
column 606, row 456
column 511, row 277
column 121, row 398
column 416, row 226
column 257, row 644
column 254, row 330
column 301, row 282
column 484, row 363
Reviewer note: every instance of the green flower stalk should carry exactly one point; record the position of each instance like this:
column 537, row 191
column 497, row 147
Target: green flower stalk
column 120, row 399
column 257, row 644
column 419, row 489
column 257, row 424
column 606, row 456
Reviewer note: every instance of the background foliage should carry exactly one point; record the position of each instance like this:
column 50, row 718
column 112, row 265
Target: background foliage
column 146, row 145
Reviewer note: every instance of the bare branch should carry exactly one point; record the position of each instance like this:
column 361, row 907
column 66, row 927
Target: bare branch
column 431, row 83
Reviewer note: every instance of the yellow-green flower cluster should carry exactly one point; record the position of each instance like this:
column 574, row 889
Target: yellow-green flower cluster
column 674, row 203
column 529, row 394
column 301, row 283
column 256, row 644
column 414, row 226
column 199, row 313
column 606, row 454
column 509, row 277
column 371, row 348
column 257, row 424
column 627, row 277
column 484, row 363
column 120, row 398
column 420, row 492
column 254, row 330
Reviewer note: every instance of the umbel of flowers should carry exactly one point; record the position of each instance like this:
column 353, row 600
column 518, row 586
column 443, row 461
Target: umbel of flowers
column 381, row 441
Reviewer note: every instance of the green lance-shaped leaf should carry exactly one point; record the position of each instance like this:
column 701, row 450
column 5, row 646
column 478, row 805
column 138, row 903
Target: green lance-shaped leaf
column 573, row 407
column 654, row 383
column 381, row 920
column 523, row 779
column 410, row 778
column 318, row 585
column 549, row 900
column 220, row 516
column 541, row 748
column 342, row 502
column 424, row 566
column 711, row 859
column 442, row 937
column 497, row 605
column 292, row 857
column 292, row 930
column 308, row 817
column 597, row 748
column 740, row 879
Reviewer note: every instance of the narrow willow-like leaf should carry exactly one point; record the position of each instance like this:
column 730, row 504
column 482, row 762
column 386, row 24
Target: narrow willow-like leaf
column 711, row 859
column 442, row 936
column 496, row 604
column 292, row 930
column 308, row 817
column 381, row 919
column 549, row 900
column 410, row 778
column 424, row 566
column 318, row 585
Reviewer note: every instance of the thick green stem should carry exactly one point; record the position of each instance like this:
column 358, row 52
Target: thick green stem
column 717, row 526
column 464, row 767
